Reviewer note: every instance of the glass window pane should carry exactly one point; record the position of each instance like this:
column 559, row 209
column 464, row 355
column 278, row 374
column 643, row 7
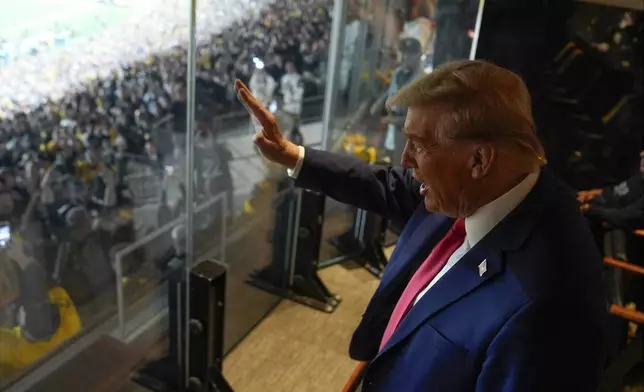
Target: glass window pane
column 385, row 46
column 91, row 129
column 282, row 61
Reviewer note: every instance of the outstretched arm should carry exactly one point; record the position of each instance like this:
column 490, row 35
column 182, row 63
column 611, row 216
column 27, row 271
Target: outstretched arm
column 389, row 191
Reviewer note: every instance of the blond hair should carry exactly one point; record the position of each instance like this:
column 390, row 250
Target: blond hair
column 483, row 102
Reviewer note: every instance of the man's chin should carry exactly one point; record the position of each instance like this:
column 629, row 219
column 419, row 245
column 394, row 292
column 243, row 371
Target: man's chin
column 430, row 205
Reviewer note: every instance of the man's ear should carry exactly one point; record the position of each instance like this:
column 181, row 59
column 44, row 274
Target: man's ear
column 481, row 158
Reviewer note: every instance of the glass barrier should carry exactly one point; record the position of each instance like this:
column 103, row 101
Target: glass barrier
column 279, row 51
column 91, row 98
column 386, row 45
column 107, row 195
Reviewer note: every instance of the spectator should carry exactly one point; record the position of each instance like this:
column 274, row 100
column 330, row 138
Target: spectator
column 262, row 84
column 619, row 206
column 292, row 91
column 263, row 87
column 45, row 317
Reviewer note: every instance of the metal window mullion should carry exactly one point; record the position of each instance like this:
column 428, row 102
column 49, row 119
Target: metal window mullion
column 190, row 175
column 335, row 58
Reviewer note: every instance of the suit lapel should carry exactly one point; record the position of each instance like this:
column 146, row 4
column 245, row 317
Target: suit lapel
column 461, row 279
column 420, row 235
column 466, row 276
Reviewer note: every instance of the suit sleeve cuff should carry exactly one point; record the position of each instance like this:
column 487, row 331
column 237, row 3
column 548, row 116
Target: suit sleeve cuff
column 295, row 172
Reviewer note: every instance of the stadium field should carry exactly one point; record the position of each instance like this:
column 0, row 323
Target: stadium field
column 35, row 18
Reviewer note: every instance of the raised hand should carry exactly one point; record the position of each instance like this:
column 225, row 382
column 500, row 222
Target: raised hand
column 270, row 141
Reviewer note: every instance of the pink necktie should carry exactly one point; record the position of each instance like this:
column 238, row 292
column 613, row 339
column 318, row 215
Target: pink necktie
column 424, row 275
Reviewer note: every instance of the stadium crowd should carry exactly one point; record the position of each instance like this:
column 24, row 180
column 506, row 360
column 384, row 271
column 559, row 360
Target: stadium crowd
column 70, row 146
column 64, row 161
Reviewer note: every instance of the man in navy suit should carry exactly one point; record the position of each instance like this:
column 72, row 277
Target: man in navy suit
column 495, row 284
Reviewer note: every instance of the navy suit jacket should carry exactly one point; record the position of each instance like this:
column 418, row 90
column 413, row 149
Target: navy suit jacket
column 535, row 321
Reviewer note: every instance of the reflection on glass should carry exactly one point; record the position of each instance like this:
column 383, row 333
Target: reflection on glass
column 410, row 68
column 455, row 24
column 279, row 50
column 90, row 148
column 402, row 41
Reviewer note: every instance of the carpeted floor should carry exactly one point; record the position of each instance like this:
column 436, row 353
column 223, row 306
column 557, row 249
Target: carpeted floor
column 297, row 348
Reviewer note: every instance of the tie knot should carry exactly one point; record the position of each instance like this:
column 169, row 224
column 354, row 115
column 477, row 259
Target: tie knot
column 458, row 230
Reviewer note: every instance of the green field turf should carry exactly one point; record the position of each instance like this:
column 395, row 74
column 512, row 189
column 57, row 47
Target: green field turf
column 21, row 18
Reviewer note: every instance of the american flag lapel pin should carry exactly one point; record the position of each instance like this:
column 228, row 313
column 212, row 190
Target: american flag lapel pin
column 482, row 267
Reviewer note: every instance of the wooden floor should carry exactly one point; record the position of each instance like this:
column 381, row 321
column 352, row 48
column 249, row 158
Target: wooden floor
column 296, row 348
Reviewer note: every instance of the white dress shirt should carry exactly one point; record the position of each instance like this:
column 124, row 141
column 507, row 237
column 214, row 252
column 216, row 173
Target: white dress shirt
column 483, row 221
column 477, row 225
column 294, row 172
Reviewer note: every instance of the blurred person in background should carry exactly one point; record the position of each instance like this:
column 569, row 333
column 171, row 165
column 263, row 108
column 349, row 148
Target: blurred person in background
column 418, row 24
column 14, row 196
column 292, row 90
column 100, row 179
column 351, row 32
column 37, row 317
column 454, row 21
column 409, row 70
column 615, row 207
column 492, row 248
column 263, row 87
column 275, row 66
column 206, row 161
column 82, row 262
column 314, row 68
column 625, row 36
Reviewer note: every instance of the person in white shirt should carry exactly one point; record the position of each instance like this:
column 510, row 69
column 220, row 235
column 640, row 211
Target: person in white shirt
column 495, row 283
column 292, row 91
column 408, row 71
column 351, row 32
column 262, row 85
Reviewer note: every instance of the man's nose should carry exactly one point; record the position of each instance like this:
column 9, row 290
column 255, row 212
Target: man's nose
column 406, row 160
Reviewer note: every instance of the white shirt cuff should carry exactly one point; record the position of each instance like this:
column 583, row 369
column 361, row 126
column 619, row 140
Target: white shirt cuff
column 294, row 172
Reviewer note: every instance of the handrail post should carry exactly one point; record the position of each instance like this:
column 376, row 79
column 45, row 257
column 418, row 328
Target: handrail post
column 334, row 60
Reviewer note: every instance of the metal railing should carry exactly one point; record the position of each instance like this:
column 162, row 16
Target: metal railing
column 123, row 253
column 311, row 111
column 145, row 187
